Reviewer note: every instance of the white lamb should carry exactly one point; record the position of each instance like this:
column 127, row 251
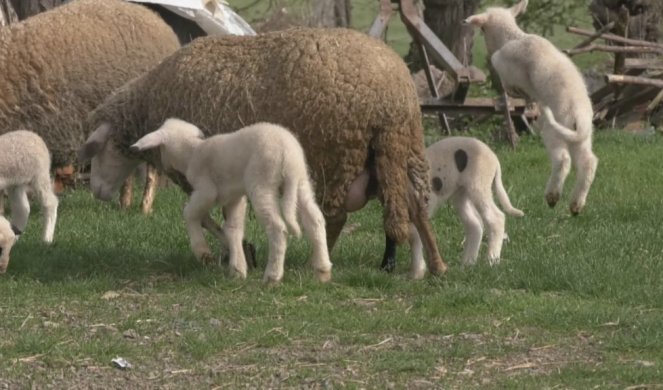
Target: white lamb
column 8, row 236
column 258, row 161
column 25, row 163
column 465, row 170
column 530, row 66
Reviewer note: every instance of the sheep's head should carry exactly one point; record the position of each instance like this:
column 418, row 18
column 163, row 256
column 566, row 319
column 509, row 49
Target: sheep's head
column 109, row 166
column 498, row 24
column 8, row 236
column 175, row 140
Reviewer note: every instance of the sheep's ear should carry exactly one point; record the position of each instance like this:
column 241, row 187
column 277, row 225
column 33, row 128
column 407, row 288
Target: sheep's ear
column 149, row 141
column 519, row 8
column 477, row 20
column 95, row 142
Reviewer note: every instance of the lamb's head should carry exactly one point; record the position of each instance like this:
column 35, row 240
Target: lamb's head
column 109, row 166
column 8, row 236
column 498, row 24
column 176, row 140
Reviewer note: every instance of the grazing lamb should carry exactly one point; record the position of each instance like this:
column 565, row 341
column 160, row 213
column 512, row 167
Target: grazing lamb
column 531, row 66
column 8, row 236
column 59, row 65
column 465, row 170
column 256, row 161
column 25, row 163
column 348, row 98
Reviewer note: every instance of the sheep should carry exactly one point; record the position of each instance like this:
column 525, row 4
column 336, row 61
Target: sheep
column 59, row 65
column 348, row 98
column 25, row 163
column 256, row 161
column 8, row 236
column 531, row 66
column 465, row 170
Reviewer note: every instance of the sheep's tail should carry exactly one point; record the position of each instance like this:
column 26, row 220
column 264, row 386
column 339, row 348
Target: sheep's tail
column 569, row 135
column 289, row 204
column 502, row 195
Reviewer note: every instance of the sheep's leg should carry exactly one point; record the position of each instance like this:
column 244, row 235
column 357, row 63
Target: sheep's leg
column 473, row 229
column 586, row 163
column 313, row 224
column 197, row 208
column 20, row 207
column 334, row 225
column 49, row 204
column 417, row 261
column 494, row 220
column 419, row 217
column 266, row 207
column 561, row 164
column 126, row 192
column 4, row 256
column 389, row 257
column 150, row 189
column 233, row 227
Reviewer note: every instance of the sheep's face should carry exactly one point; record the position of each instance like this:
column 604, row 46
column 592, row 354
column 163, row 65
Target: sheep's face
column 109, row 166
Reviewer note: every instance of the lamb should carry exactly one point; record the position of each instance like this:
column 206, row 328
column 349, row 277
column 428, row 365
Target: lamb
column 8, row 236
column 531, row 66
column 465, row 170
column 59, row 65
column 256, row 161
column 347, row 97
column 25, row 163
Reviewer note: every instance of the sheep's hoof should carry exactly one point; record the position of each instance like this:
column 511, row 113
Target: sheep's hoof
column 323, row 276
column 437, row 267
column 270, row 281
column 552, row 199
column 388, row 265
column 235, row 273
column 207, row 259
column 575, row 209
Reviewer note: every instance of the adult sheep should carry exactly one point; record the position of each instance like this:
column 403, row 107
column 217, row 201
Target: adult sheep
column 59, row 65
column 347, row 97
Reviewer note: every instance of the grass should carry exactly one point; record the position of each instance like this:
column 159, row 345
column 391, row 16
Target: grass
column 575, row 303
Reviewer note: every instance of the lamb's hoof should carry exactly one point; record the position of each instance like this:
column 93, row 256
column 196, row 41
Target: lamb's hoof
column 235, row 273
column 417, row 275
column 552, row 199
column 270, row 281
column 493, row 261
column 575, row 208
column 323, row 276
column 208, row 260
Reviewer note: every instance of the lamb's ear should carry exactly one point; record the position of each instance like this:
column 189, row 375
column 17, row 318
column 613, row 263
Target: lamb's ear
column 519, row 8
column 149, row 141
column 95, row 142
column 477, row 20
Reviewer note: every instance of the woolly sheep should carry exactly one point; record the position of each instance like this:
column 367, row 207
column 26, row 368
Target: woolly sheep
column 59, row 65
column 465, row 171
column 348, row 98
column 256, row 161
column 25, row 163
column 8, row 236
column 531, row 66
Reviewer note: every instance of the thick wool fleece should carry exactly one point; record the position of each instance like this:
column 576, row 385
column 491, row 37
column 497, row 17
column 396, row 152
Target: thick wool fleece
column 59, row 65
column 347, row 97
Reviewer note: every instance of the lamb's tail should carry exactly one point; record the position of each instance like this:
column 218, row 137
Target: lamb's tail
column 289, row 204
column 502, row 195
column 583, row 131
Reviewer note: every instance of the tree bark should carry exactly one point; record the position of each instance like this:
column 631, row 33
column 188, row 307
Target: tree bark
column 332, row 13
column 26, row 8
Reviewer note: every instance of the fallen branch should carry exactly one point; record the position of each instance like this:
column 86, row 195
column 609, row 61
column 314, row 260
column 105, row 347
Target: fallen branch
column 593, row 37
column 622, row 79
column 615, row 38
column 616, row 49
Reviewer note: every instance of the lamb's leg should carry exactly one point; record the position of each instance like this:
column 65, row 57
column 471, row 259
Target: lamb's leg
column 313, row 224
column 197, row 208
column 4, row 256
column 586, row 163
column 266, row 207
column 233, row 227
column 126, row 192
column 417, row 261
column 473, row 229
column 20, row 207
column 561, row 164
column 49, row 204
column 494, row 220
column 151, row 181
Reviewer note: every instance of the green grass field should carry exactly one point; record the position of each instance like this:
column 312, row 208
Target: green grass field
column 577, row 302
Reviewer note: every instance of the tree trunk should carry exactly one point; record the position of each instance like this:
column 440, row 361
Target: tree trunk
column 445, row 18
column 635, row 19
column 331, row 13
column 7, row 13
column 27, row 8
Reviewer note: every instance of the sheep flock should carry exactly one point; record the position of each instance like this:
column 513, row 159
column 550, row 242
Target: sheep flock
column 305, row 125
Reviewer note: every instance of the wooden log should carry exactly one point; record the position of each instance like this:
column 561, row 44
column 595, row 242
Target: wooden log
column 616, row 49
column 644, row 63
column 615, row 38
column 594, row 36
column 622, row 79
